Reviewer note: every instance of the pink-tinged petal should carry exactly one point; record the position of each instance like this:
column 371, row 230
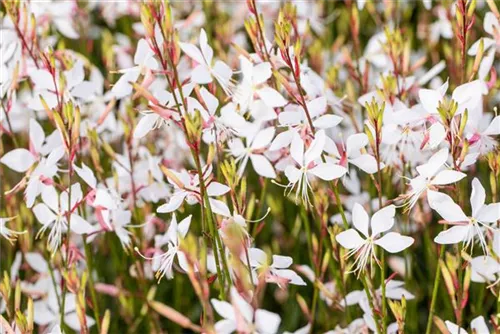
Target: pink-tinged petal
column 267, row 322
column 328, row 171
column 355, row 143
column 489, row 213
column 366, row 163
column 477, row 197
column 271, row 97
column 262, row 166
column 290, row 275
column 452, row 235
column 445, row 206
column 145, row 125
column 394, row 242
column 383, row 220
column 223, row 73
column 217, row 189
column 360, row 219
column 349, row 239
column 435, row 162
column 18, row 159
column 447, row 177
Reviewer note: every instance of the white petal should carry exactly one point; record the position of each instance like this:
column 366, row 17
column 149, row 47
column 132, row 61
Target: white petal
column 477, row 197
column 360, row 219
column 447, row 177
column 430, row 98
column 263, row 138
column 18, row 159
column 355, row 143
column 445, row 206
column 219, row 207
column 271, row 97
column 217, row 189
column 489, row 213
column 435, row 162
column 37, row 262
column 328, row 171
column 37, row 136
column 146, row 124
column 383, row 220
column 223, row 308
column 327, row 121
column 262, row 166
column 267, row 322
column 452, row 235
column 394, row 242
column 80, row 225
column 281, row 262
column 316, row 148
column 366, row 163
column 43, row 214
column 349, row 239
column 494, row 128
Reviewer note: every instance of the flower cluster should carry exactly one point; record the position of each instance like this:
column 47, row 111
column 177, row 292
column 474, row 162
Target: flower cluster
column 250, row 167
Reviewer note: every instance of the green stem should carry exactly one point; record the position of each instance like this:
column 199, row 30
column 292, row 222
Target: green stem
column 93, row 295
column 435, row 290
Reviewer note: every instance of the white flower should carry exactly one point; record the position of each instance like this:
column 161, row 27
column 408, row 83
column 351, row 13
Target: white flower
column 144, row 62
column 276, row 271
column 490, row 44
column 254, row 85
column 187, row 188
column 351, row 153
column 431, row 175
column 163, row 263
column 364, row 249
column 7, row 233
column 204, row 70
column 254, row 150
column 466, row 228
column 308, row 165
column 54, row 212
column 241, row 317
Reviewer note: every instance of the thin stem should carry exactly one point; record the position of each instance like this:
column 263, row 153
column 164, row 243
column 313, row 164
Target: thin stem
column 93, row 295
column 435, row 290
